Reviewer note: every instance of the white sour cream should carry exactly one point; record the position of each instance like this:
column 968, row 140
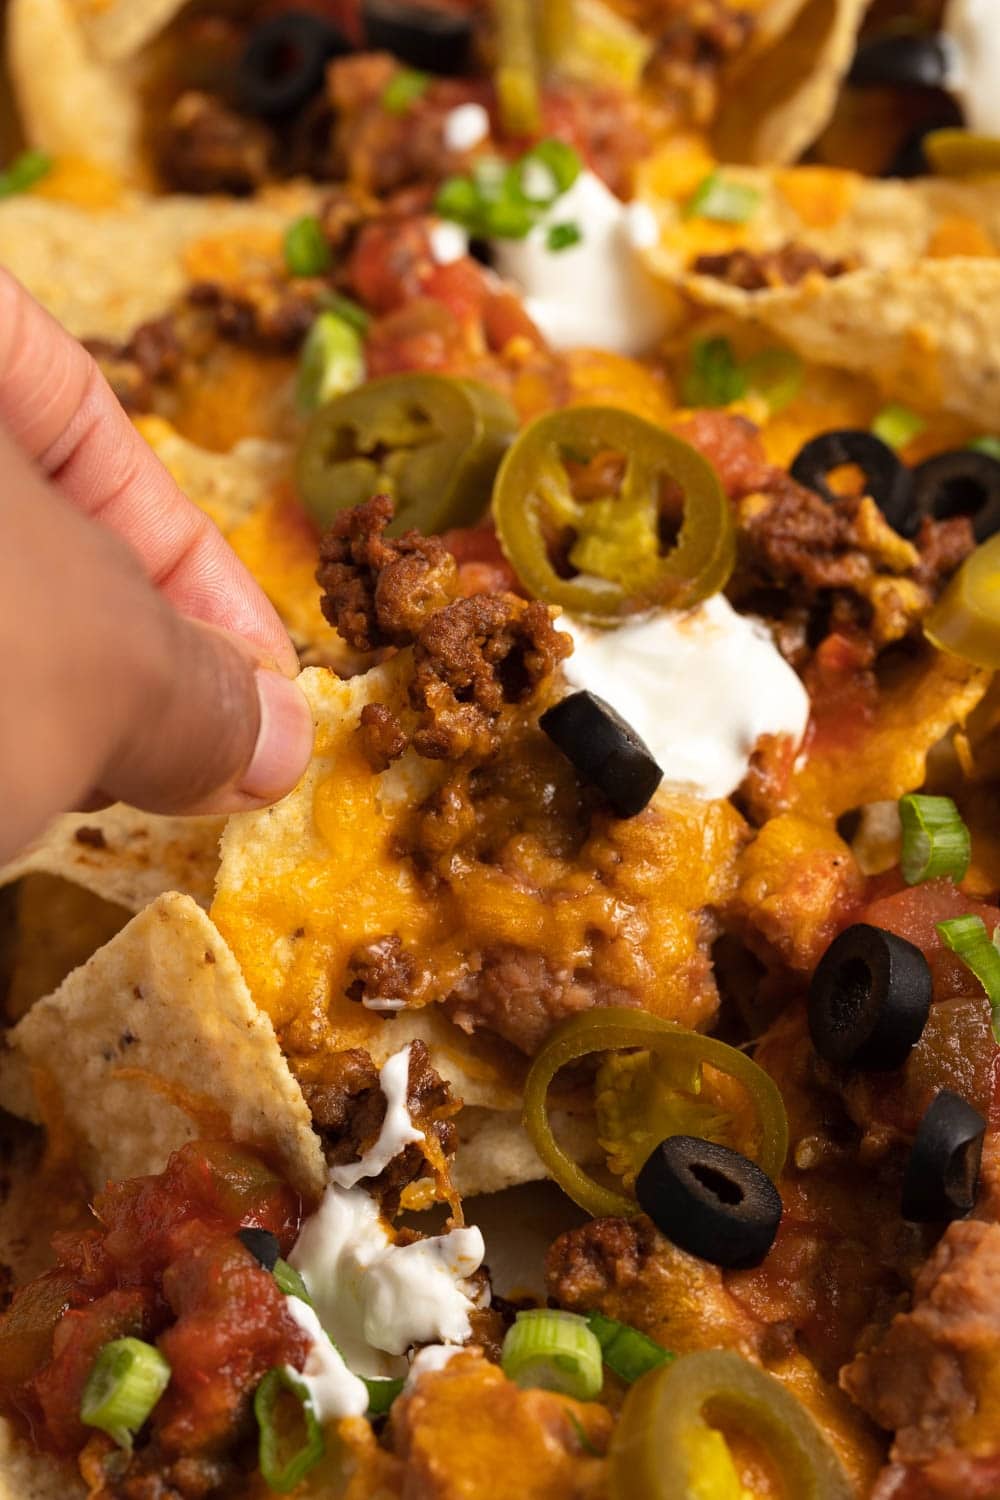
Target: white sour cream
column 466, row 127
column 700, row 687
column 594, row 293
column 333, row 1390
column 448, row 241
column 426, row 1361
column 398, row 1130
column 971, row 33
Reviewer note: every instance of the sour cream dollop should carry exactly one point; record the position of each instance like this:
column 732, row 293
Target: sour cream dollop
column 971, row 34
column 700, row 686
column 596, row 293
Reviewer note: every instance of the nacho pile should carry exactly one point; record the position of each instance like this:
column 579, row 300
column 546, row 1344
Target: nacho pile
column 594, row 1058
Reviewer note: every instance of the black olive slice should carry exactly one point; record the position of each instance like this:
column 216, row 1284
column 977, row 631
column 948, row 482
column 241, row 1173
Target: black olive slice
column 263, row 1246
column 284, row 62
column 435, row 40
column 942, row 1173
column 917, row 61
column 960, row 483
column 869, row 999
column 607, row 752
column 710, row 1201
column 886, row 479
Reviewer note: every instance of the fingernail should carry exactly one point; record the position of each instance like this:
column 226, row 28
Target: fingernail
column 284, row 742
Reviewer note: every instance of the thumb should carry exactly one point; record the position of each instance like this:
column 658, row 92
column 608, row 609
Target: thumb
column 207, row 728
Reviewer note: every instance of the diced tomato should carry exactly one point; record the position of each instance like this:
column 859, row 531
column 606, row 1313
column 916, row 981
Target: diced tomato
column 422, row 336
column 79, row 1337
column 390, row 262
column 732, row 446
column 843, row 691
column 912, row 913
column 482, row 566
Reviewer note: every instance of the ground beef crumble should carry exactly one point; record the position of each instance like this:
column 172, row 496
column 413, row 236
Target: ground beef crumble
column 757, row 271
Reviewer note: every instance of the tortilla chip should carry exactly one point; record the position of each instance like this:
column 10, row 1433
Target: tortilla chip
column 28, row 1475
column 884, row 760
column 156, row 1041
column 59, row 926
column 126, row 856
column 117, row 29
column 70, row 102
column 103, row 274
column 494, row 1151
column 775, row 104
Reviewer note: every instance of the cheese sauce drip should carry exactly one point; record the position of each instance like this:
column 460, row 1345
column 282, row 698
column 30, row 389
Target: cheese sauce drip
column 700, row 686
column 597, row 292
column 970, row 31
column 372, row 1300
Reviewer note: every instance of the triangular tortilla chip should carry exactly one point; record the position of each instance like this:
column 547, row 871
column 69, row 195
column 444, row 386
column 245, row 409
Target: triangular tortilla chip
column 59, row 925
column 156, row 1041
column 126, row 856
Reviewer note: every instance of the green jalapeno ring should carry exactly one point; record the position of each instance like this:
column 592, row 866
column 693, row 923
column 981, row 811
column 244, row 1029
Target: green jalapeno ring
column 622, row 570
column 662, row 1441
column 430, row 441
column 608, row 1029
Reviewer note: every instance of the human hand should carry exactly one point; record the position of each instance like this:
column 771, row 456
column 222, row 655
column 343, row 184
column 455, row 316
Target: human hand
column 138, row 658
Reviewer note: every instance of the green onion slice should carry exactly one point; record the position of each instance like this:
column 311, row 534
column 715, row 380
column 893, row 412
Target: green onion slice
column 967, row 936
column 404, row 89
column 563, row 236
column 775, row 375
column 128, row 1378
column 347, row 311
column 290, row 1282
column 307, row 250
column 625, row 1350
column 556, row 1351
column 282, row 1473
column 720, row 198
column 381, row 1395
column 935, row 840
column 24, row 171
column 332, row 362
column 506, row 202
column 989, row 445
column 715, row 376
column 897, row 425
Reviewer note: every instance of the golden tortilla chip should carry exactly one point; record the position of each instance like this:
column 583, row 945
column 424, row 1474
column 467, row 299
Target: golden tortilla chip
column 126, row 856
column 156, row 1041
column 117, row 29
column 59, row 926
column 884, row 760
column 26, row 1474
column 775, row 103
column 103, row 274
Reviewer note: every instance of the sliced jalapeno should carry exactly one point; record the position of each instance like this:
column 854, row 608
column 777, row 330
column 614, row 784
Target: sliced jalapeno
column 966, row 619
column 665, row 1448
column 612, row 1028
column 603, row 558
column 431, row 442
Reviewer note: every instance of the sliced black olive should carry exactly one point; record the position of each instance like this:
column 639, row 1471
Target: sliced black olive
column 942, row 1173
column 263, row 1246
column 869, row 999
column 437, row 41
column 710, row 1201
column 961, row 483
column 886, row 479
column 607, row 752
column 284, row 62
column 919, row 61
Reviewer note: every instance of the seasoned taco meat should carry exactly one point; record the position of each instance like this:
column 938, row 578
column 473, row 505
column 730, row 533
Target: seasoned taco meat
column 209, row 148
column 756, row 271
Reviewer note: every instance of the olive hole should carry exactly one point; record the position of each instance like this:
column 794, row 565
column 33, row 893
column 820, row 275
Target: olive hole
column 717, row 1183
column 850, row 995
column 961, row 1175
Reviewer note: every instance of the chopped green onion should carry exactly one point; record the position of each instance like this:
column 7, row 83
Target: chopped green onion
column 307, row 251
column 404, row 89
column 897, row 425
column 563, row 236
column 967, row 936
column 502, row 202
column 715, row 376
column 461, row 199
column 935, row 840
column 562, row 163
column 988, row 445
column 717, row 197
column 626, row 1351
column 332, row 362
column 24, row 171
column 290, row 1282
column 127, row 1379
column 280, row 1473
column 507, row 220
column 775, row 375
column 381, row 1395
column 554, row 1350
column 348, row 311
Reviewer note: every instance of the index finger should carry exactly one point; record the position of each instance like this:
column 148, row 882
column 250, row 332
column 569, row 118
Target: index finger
column 58, row 407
